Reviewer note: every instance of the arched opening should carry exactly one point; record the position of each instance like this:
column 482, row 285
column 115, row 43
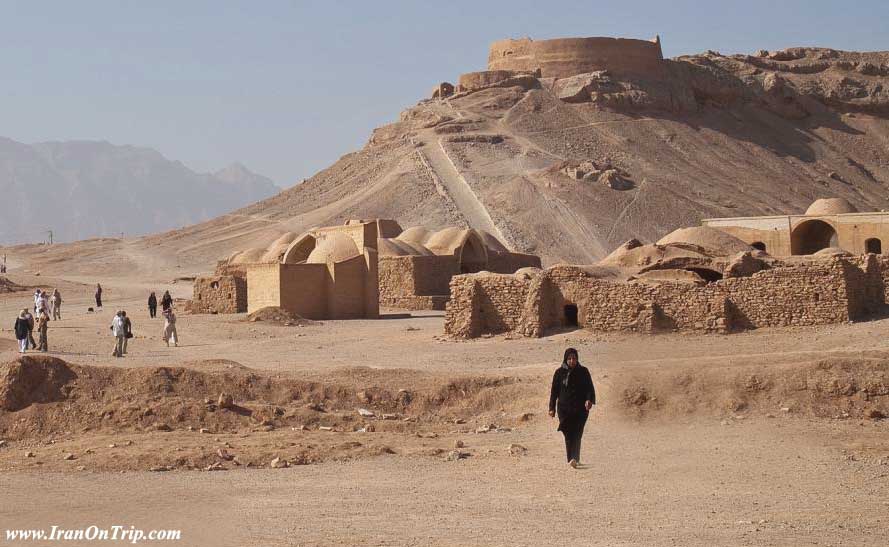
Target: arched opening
column 873, row 245
column 706, row 274
column 214, row 284
column 758, row 245
column 299, row 250
column 811, row 236
column 473, row 257
column 569, row 318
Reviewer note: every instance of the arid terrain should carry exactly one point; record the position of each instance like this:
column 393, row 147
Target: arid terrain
column 385, row 432
column 763, row 438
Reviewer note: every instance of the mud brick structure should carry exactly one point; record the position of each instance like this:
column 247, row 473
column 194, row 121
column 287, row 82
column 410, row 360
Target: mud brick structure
column 827, row 223
column 816, row 291
column 219, row 294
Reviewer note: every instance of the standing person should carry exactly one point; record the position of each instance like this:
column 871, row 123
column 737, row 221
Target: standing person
column 117, row 330
column 98, row 297
column 127, row 330
column 37, row 294
column 573, row 389
column 166, row 301
column 30, row 319
column 42, row 331
column 43, row 304
column 152, row 305
column 170, row 328
column 56, row 303
column 22, row 330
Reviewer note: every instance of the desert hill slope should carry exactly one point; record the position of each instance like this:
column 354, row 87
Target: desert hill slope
column 81, row 189
column 570, row 168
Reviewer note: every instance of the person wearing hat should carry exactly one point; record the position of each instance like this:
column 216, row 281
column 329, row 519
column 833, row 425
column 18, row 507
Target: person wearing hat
column 22, row 330
column 572, row 394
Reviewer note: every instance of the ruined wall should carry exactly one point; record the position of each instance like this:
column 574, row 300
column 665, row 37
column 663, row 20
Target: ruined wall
column 808, row 293
column 477, row 80
column 219, row 294
column 416, row 282
column 565, row 57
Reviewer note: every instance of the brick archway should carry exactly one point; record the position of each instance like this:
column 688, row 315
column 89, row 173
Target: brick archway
column 810, row 236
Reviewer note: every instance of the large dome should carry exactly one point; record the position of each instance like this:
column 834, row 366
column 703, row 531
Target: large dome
column 333, row 248
column 831, row 206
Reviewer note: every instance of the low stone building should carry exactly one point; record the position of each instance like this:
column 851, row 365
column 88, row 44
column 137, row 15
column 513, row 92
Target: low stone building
column 831, row 223
column 816, row 291
column 219, row 294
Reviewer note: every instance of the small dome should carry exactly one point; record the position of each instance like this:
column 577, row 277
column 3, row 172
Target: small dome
column 416, row 235
column 286, row 239
column 710, row 238
column 447, row 241
column 832, row 251
column 250, row 256
column 397, row 247
column 492, row 243
column 334, row 247
column 831, row 206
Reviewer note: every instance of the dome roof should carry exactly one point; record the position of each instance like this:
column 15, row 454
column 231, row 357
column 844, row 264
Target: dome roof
column 250, row 256
column 416, row 235
column 275, row 252
column 397, row 247
column 832, row 251
column 285, row 239
column 335, row 247
column 710, row 238
column 447, row 241
column 831, row 206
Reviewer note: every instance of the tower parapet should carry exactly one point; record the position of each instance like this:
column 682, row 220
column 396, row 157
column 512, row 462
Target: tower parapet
column 565, row 57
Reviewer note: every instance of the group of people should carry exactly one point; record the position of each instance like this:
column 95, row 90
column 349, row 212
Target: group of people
column 48, row 307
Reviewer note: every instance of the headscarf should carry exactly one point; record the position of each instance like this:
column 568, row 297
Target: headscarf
column 569, row 351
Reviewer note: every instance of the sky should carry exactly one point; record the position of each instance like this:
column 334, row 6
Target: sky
column 287, row 87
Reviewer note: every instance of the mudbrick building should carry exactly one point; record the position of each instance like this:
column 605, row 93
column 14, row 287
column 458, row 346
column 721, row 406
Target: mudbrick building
column 827, row 223
column 349, row 271
column 694, row 279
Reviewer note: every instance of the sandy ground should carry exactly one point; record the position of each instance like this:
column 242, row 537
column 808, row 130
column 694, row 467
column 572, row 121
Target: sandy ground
column 763, row 477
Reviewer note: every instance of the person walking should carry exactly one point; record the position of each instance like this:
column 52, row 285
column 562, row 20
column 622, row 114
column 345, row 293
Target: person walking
column 152, row 305
column 30, row 319
column 170, row 333
column 22, row 330
column 98, row 297
column 37, row 294
column 56, row 304
column 42, row 331
column 166, row 301
column 43, row 304
column 117, row 329
column 573, row 394
column 127, row 330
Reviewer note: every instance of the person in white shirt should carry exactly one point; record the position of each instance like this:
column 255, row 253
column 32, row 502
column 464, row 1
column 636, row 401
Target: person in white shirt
column 120, row 332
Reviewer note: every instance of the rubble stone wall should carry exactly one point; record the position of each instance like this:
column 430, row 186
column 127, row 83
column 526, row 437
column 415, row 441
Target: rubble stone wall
column 806, row 293
column 219, row 294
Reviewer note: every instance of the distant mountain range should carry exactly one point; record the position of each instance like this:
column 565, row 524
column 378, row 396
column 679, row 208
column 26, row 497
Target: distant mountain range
column 85, row 189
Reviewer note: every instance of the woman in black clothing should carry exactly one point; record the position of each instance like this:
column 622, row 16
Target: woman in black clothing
column 98, row 296
column 573, row 389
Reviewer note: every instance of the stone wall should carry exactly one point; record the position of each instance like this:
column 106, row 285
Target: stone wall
column 565, row 57
column 813, row 292
column 219, row 294
column 416, row 282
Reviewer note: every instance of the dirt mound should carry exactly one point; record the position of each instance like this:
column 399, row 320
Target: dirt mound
column 43, row 399
column 279, row 316
column 837, row 387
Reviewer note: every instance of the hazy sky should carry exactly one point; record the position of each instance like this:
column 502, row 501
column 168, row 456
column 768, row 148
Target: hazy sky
column 288, row 87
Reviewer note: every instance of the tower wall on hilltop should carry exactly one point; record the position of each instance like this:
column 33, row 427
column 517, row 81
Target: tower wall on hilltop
column 565, row 57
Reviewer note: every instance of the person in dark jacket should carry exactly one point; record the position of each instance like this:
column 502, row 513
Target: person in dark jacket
column 30, row 319
column 98, row 297
column 166, row 301
column 573, row 395
column 152, row 305
column 22, row 330
column 127, row 331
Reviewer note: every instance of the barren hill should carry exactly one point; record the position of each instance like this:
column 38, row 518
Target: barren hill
column 570, row 167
